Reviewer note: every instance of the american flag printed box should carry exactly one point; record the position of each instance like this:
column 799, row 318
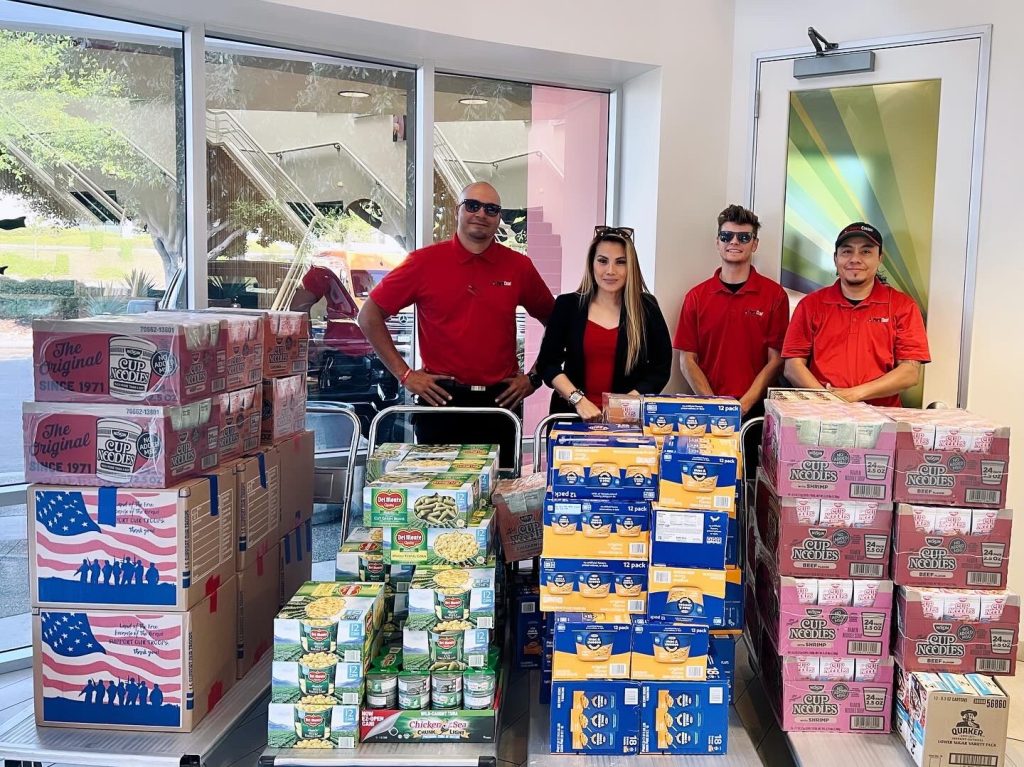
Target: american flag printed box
column 129, row 670
column 112, row 547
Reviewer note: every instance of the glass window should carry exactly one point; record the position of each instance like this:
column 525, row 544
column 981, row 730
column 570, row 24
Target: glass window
column 310, row 192
column 545, row 150
column 91, row 180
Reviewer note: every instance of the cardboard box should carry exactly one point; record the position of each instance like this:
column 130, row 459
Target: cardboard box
column 687, row 592
column 337, row 618
column 290, row 726
column 669, row 651
column 485, row 468
column 285, row 340
column 684, row 718
column 361, row 561
column 606, row 468
column 239, row 350
column 389, row 455
column 688, row 538
column 722, row 659
column 595, row 717
column 298, row 682
column 452, row 595
column 801, row 546
column 519, row 509
column 122, row 548
column 175, row 666
column 257, row 606
column 593, row 585
column 468, row 546
column 732, row 609
column 125, row 445
column 927, row 557
column 436, row 648
column 239, row 425
column 296, row 455
column 296, row 560
column 926, row 640
column 258, row 482
column 944, row 723
column 529, row 626
column 597, row 529
column 689, row 415
column 799, row 465
column 690, row 481
column 284, row 407
column 418, row 499
column 591, row 651
column 127, row 359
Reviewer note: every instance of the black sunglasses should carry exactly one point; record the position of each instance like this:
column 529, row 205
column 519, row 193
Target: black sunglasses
column 621, row 231
column 743, row 237
column 490, row 208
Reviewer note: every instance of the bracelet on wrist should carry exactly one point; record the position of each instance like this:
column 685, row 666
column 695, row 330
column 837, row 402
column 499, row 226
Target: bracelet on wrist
column 404, row 377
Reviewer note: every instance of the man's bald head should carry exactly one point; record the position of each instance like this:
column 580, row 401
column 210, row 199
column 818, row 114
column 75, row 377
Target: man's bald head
column 476, row 226
column 482, row 191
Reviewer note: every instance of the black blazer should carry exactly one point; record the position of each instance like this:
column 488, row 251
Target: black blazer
column 561, row 351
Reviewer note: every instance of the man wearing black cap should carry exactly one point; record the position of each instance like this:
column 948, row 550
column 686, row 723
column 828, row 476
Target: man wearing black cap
column 860, row 337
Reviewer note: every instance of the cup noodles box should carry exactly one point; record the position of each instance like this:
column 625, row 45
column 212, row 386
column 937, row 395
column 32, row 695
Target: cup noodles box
column 334, row 618
column 127, row 445
column 174, row 667
column 285, row 340
column 597, row 529
column 122, row 548
column 239, row 349
column 593, row 585
column 465, row 546
column 959, row 631
column 690, row 416
column 688, row 538
column 951, row 548
column 258, row 487
column 518, row 515
column 803, row 395
column 284, row 407
column 849, row 539
column 591, row 651
column 144, row 360
column 425, row 500
column 676, row 651
column 684, row 718
column 241, row 412
column 828, row 450
column 692, row 481
column 687, row 593
column 606, row 468
column 950, row 458
column 452, row 595
column 315, row 725
column 591, row 717
column 257, row 606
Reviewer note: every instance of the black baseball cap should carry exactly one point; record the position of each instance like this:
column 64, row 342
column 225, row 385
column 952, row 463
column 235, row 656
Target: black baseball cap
column 860, row 229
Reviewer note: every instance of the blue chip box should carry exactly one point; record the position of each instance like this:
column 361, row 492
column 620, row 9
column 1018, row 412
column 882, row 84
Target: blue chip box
column 684, row 718
column 688, row 538
column 595, row 717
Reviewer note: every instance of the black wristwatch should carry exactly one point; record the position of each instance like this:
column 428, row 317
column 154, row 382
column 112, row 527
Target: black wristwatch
column 535, row 380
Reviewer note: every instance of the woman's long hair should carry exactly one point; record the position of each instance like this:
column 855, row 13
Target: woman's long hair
column 632, row 295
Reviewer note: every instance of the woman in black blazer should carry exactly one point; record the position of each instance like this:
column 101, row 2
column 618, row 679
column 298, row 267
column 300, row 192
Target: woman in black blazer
column 609, row 335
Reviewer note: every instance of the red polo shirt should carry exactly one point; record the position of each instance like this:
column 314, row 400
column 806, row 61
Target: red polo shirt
column 466, row 307
column 732, row 332
column 848, row 345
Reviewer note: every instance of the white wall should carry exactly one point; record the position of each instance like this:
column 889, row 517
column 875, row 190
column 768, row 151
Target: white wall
column 997, row 363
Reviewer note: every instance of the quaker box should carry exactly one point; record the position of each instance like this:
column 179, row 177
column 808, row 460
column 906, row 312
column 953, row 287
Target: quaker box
column 118, row 670
column 296, row 564
column 257, row 606
column 122, row 548
column 925, row 554
column 258, row 479
column 296, row 456
column 854, row 542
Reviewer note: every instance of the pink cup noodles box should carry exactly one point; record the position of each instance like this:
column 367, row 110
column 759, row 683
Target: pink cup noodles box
column 925, row 555
column 800, row 548
column 238, row 350
column 147, row 360
column 976, row 632
column 285, row 340
column 799, row 465
column 124, row 445
column 241, row 413
column 284, row 407
column 965, row 465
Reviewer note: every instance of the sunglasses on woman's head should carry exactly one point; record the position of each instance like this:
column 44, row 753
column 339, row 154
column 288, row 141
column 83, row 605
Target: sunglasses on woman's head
column 490, row 208
column 743, row 237
column 621, row 231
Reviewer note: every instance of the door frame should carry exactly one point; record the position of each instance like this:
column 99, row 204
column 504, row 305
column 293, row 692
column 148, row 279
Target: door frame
column 982, row 33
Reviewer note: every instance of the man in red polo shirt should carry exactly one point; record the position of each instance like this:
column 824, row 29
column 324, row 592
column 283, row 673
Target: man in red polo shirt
column 732, row 325
column 859, row 336
column 466, row 291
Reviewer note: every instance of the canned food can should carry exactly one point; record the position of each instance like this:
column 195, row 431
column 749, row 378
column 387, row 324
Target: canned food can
column 413, row 683
column 478, row 687
column 453, row 605
column 312, row 722
column 382, row 682
column 318, row 636
column 388, row 700
column 446, row 646
column 446, row 689
column 414, row 701
column 445, row 700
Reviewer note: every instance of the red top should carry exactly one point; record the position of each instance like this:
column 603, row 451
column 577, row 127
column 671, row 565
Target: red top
column 321, row 281
column 731, row 332
column 599, row 345
column 466, row 307
column 847, row 345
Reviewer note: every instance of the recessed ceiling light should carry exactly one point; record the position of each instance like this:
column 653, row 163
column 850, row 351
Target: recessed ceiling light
column 473, row 102
column 354, row 94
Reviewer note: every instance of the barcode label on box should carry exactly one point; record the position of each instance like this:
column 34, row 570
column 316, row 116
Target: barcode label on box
column 561, row 454
column 527, row 607
column 638, row 549
column 861, row 490
column 867, row 722
column 662, row 576
column 864, row 648
column 636, row 606
column 350, row 699
column 723, row 502
column 977, row 495
column 346, row 742
column 475, row 660
column 631, row 697
column 984, row 579
column 695, row 672
column 993, row 665
column 485, row 623
column 973, row 760
column 861, row 570
column 716, row 695
column 617, row 670
column 353, row 656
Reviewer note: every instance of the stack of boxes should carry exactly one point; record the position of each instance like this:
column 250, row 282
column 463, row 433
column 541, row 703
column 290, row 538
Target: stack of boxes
column 633, row 576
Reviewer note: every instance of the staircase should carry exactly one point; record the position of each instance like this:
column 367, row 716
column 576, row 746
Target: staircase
column 456, row 176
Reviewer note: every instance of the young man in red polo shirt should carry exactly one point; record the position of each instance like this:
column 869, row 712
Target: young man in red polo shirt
column 732, row 325
column 859, row 336
column 466, row 291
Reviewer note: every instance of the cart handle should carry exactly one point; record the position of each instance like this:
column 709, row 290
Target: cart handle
column 540, row 433
column 759, row 421
column 517, row 458
column 345, row 410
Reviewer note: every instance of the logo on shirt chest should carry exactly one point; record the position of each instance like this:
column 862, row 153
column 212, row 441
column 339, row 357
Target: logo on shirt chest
column 753, row 313
column 502, row 283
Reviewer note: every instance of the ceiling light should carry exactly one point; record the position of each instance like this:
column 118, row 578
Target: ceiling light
column 473, row 102
column 354, row 94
